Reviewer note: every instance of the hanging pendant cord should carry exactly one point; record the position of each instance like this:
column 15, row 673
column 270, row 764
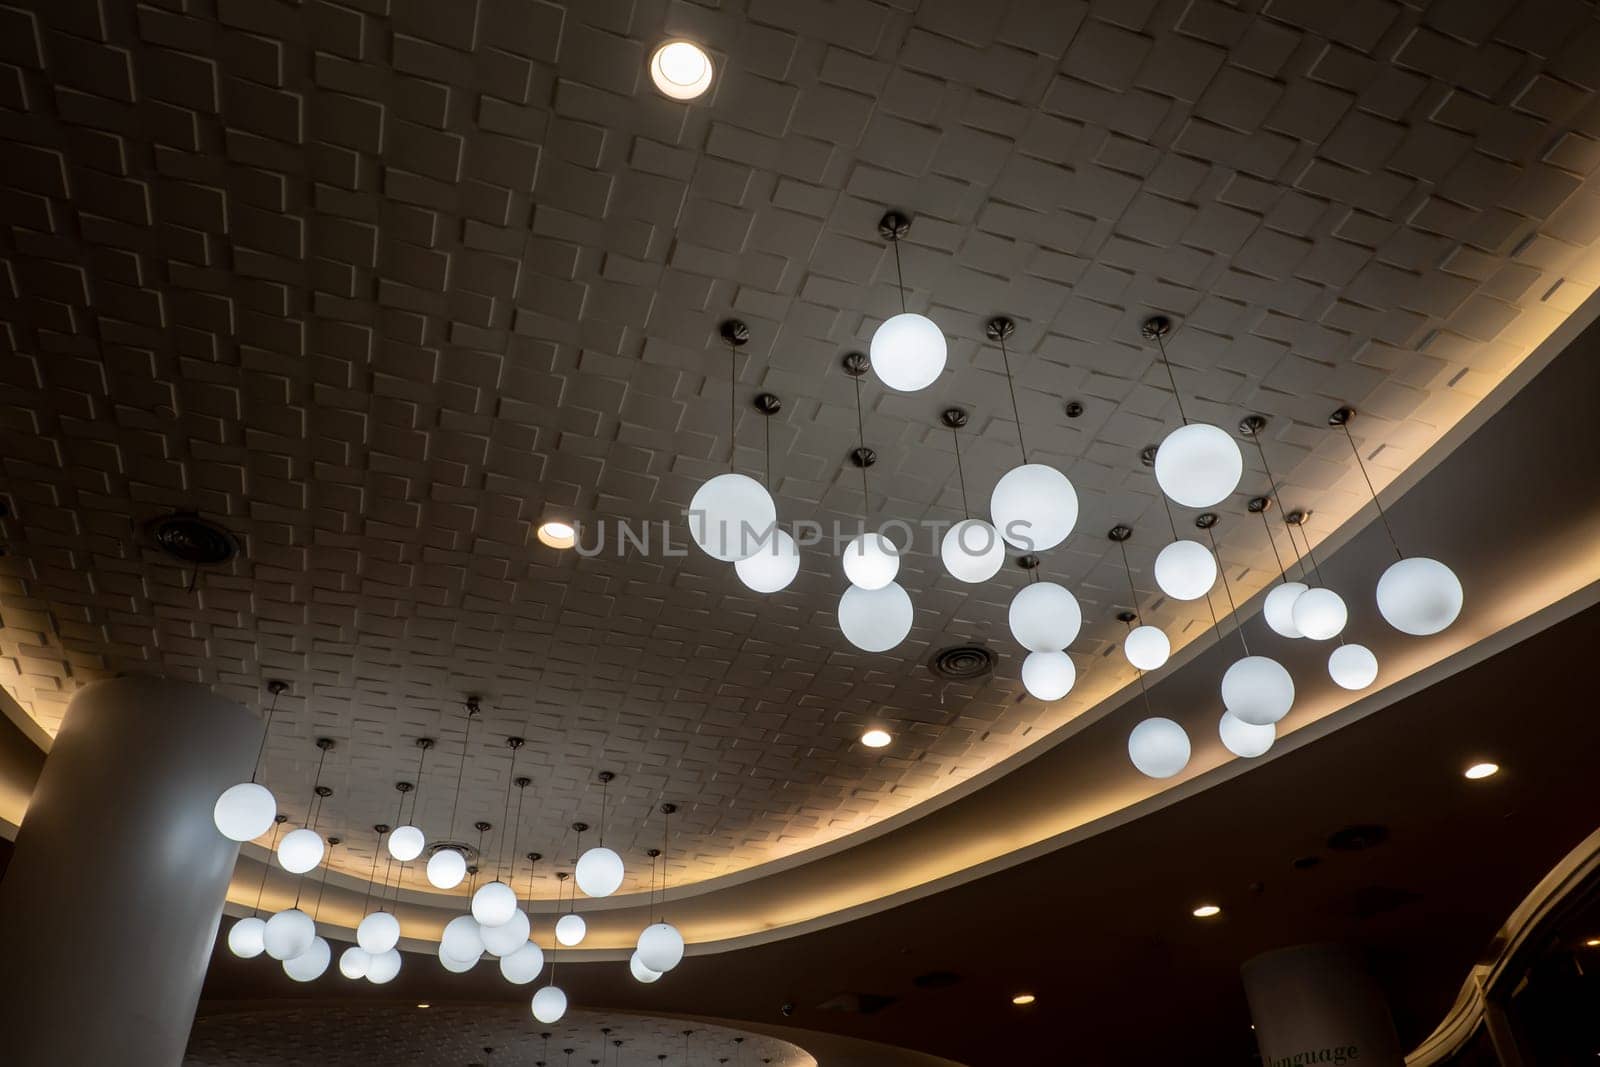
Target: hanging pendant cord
column 1273, row 541
column 1315, row 569
column 966, row 512
column 900, row 279
column 420, row 760
column 372, row 875
column 733, row 414
column 861, row 436
column 1384, row 518
column 1228, row 589
column 605, row 785
column 461, row 770
column 266, row 731
column 327, row 861
column 666, row 833
column 1170, row 520
column 1128, row 569
column 1016, row 412
column 505, row 812
column 316, row 813
column 516, row 832
column 1277, row 496
column 1161, row 344
column 767, row 426
column 266, row 867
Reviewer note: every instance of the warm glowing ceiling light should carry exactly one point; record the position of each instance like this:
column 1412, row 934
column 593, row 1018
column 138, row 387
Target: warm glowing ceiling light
column 558, row 534
column 1206, row 911
column 424, row 1005
column 1593, row 942
column 1023, row 998
column 876, row 738
column 681, row 70
column 1482, row 770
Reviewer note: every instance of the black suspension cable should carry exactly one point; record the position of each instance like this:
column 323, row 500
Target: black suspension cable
column 1016, row 412
column 372, row 875
column 275, row 688
column 900, row 278
column 1133, row 590
column 472, row 711
column 1384, row 518
column 1226, row 588
column 1161, row 345
column 266, row 866
column 861, row 436
column 1277, row 495
column 1273, row 541
column 961, row 475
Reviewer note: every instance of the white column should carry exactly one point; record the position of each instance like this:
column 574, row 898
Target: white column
column 1316, row 1005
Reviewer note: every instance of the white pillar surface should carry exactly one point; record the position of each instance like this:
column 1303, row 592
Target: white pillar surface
column 1316, row 1004
column 111, row 903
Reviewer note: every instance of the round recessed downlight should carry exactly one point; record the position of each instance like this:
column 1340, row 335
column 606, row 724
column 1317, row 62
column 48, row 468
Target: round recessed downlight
column 557, row 534
column 1023, row 999
column 876, row 738
column 1206, row 911
column 1482, row 770
column 681, row 70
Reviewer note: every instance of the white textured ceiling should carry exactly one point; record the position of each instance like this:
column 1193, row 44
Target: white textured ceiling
column 380, row 285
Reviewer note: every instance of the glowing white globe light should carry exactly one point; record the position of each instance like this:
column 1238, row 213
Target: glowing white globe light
column 773, row 567
column 599, row 872
column 549, row 1004
column 523, row 965
column 310, row 964
column 1353, row 667
column 1045, row 617
column 378, row 933
column 1159, row 748
column 641, row 972
column 1419, row 596
column 247, row 938
column 571, row 930
column 405, row 844
column 384, row 967
column 681, row 70
column 244, row 812
column 1245, row 739
column 288, row 934
column 1198, row 465
column 1034, row 507
column 1147, row 647
column 660, row 947
column 875, row 620
column 506, row 938
column 446, row 868
column 1257, row 690
column 1185, row 570
column 1048, row 675
column 1320, row 614
column 494, row 904
column 730, row 516
column 462, row 939
column 972, row 551
column 871, row 561
column 354, row 961
column 1278, row 608
column 300, row 850
column 908, row 352
column 457, row 966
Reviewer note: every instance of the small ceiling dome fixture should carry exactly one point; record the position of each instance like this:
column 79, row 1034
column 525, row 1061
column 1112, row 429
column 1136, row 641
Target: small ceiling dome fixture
column 908, row 350
column 1159, row 748
column 877, row 737
column 1048, row 675
column 1244, row 739
column 1198, row 464
column 1353, row 667
column 557, row 534
column 681, row 69
column 1482, row 770
column 1023, row 999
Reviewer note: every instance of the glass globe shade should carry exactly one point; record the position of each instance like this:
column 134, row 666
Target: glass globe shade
column 1419, row 596
column 1147, row 647
column 1353, row 667
column 1245, row 739
column 875, row 620
column 509, row 936
column 523, row 965
column 244, row 812
column 1045, row 617
column 1257, row 690
column 384, row 966
column 599, row 872
column 455, row 965
column 1198, row 465
column 641, row 972
column 300, row 850
column 730, row 515
column 1278, row 608
column 1048, row 675
column 571, row 929
column 549, row 1004
column 1185, row 570
column 405, row 844
column 310, row 964
column 660, row 947
column 462, row 939
column 681, row 70
column 871, row 561
column 908, row 352
column 1320, row 614
column 972, row 551
column 288, row 934
column 247, row 938
column 446, row 868
column 354, row 961
column 1159, row 748
column 773, row 567
column 1034, row 507
column 494, row 904
column 378, row 932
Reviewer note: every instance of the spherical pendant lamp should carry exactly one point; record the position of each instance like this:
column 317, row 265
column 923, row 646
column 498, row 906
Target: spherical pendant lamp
column 871, row 560
column 1185, row 570
column 384, row 967
column 378, row 933
column 571, row 930
column 1048, row 675
column 1034, row 507
column 457, row 966
column 972, row 551
column 288, row 934
column 1353, row 667
column 1278, row 608
column 908, row 352
column 245, row 811
column 1419, row 596
column 509, row 936
column 730, row 515
column 405, row 843
column 1198, row 465
column 523, row 965
column 549, row 1005
column 1147, row 647
column 599, row 872
column 875, row 620
column 462, row 938
column 1243, row 739
column 640, row 972
column 660, row 947
column 1320, row 614
column 247, row 938
column 300, row 850
column 1257, row 690
column 310, row 964
column 494, row 903
column 773, row 567
column 1159, row 748
column 1045, row 617
column 446, row 868
column 354, row 962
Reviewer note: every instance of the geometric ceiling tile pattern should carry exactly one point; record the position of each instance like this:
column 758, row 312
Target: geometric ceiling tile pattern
column 378, row 286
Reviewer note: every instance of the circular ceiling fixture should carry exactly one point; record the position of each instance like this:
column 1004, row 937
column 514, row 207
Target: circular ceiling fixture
column 188, row 538
column 310, row 964
column 1479, row 771
column 871, row 560
column 1206, row 911
column 1034, row 506
column 523, row 965
column 681, row 69
column 247, row 938
column 384, row 967
column 876, row 620
column 876, row 737
column 288, row 934
column 354, row 961
column 972, row 550
column 661, row 946
column 962, row 663
column 640, row 972
column 447, row 866
column 908, row 350
column 1257, row 690
column 1319, row 613
column 557, row 534
column 1197, row 465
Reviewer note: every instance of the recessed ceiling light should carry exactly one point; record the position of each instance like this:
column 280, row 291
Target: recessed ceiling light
column 1206, row 911
column 681, row 70
column 1593, row 942
column 1482, row 770
column 1023, row 998
column 876, row 738
column 424, row 1005
column 558, row 534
